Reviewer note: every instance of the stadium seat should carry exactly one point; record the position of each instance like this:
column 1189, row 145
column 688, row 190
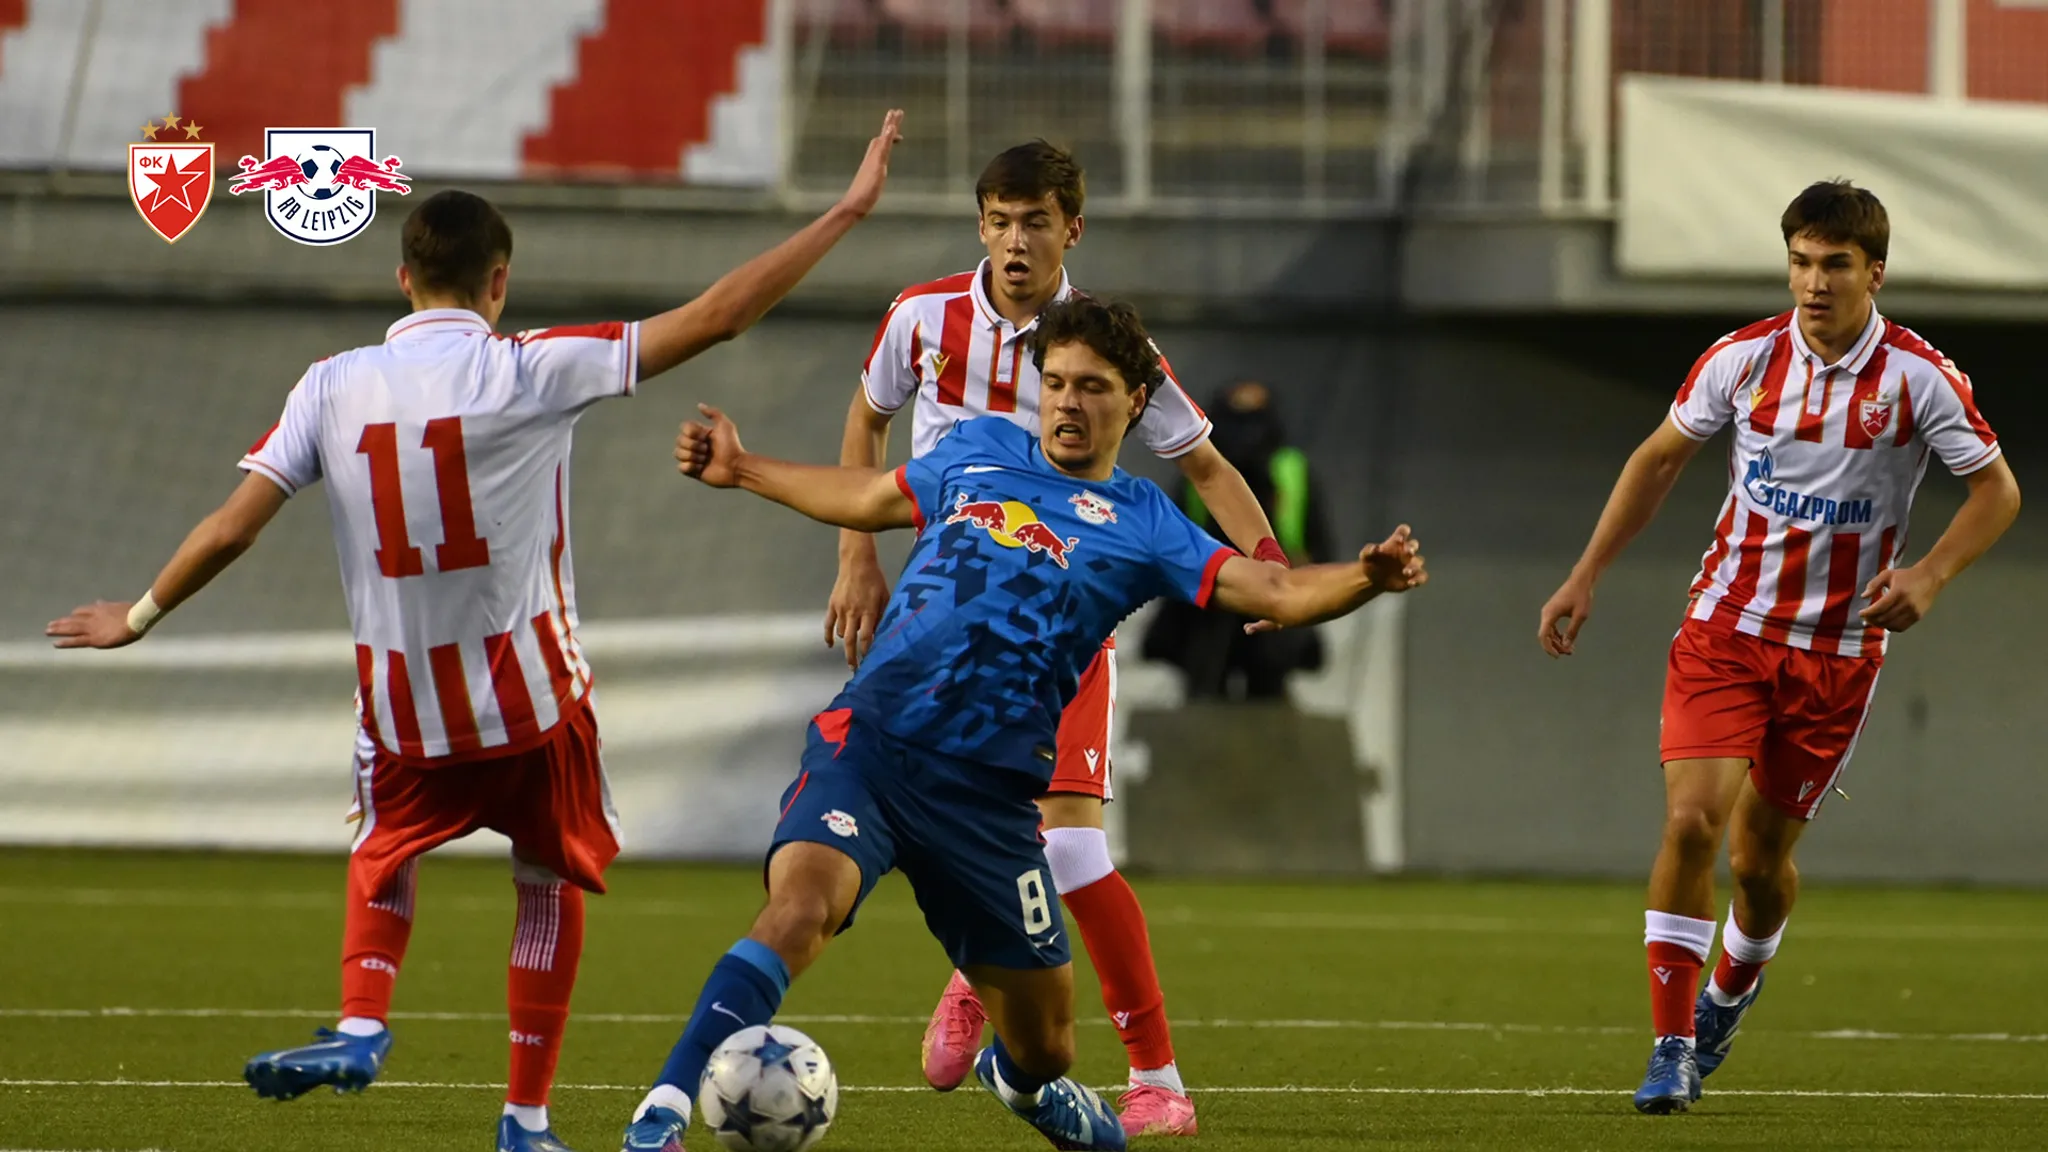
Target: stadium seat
column 1231, row 25
column 1055, row 22
column 925, row 21
column 1350, row 27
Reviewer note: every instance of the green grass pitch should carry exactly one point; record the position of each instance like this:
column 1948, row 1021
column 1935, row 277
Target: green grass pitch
column 1407, row 1015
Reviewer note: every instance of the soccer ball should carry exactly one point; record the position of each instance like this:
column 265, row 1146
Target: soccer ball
column 768, row 1089
column 320, row 163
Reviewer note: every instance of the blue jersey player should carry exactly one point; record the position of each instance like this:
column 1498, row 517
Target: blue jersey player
column 1030, row 550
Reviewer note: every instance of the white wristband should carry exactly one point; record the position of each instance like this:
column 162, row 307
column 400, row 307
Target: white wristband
column 144, row 615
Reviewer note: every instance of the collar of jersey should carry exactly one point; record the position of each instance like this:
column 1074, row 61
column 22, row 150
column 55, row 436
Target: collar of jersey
column 437, row 322
column 1859, row 355
column 987, row 307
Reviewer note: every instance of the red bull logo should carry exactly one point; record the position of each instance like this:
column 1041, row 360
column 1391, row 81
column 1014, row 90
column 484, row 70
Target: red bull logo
column 320, row 185
column 1013, row 524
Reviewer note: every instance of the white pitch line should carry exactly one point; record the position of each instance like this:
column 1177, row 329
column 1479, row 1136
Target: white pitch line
column 1241, row 1090
column 1164, row 916
column 118, row 1013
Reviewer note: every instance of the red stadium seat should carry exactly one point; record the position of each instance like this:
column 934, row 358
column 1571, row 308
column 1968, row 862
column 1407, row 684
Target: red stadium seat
column 1068, row 21
column 1350, row 27
column 924, row 21
column 1230, row 24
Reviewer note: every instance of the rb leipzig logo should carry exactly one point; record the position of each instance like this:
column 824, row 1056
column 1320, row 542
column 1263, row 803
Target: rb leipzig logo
column 170, row 177
column 320, row 185
column 1013, row 524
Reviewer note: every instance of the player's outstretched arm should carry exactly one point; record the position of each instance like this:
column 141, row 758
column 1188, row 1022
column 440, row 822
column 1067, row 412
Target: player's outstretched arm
column 1640, row 490
column 1299, row 597
column 746, row 293
column 865, row 499
column 1901, row 596
column 208, row 549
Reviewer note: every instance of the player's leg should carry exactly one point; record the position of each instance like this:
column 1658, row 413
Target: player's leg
column 553, row 801
column 831, row 845
column 1716, row 710
column 403, row 814
column 1821, row 705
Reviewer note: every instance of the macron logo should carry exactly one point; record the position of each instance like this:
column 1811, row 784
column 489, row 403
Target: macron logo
column 1123, row 1019
column 1663, row 975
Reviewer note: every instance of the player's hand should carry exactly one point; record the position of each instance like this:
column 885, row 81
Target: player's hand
column 858, row 597
column 101, row 624
column 1395, row 564
column 866, row 188
column 1900, row 597
column 1564, row 614
column 710, row 452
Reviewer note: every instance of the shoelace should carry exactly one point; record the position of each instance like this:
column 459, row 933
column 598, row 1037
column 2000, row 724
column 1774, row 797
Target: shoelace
column 963, row 1028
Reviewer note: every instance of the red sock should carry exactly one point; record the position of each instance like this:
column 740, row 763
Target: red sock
column 1736, row 977
column 374, row 933
column 1674, row 983
column 546, row 945
column 1112, row 924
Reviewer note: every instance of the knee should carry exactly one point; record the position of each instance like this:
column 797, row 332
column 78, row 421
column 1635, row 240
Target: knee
column 1758, row 866
column 796, row 923
column 1693, row 829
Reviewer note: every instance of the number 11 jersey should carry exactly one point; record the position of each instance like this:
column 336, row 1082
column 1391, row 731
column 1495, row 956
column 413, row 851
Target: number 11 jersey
column 446, row 455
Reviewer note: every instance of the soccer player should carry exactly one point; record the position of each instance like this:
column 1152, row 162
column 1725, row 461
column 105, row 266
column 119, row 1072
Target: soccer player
column 1834, row 410
column 955, row 349
column 446, row 451
column 1030, row 548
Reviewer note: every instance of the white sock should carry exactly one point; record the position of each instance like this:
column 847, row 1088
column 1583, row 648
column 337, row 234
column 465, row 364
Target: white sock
column 1743, row 949
column 1078, row 857
column 1017, row 1101
column 665, row 1096
column 532, row 1117
column 359, row 1026
column 1695, row 936
column 1167, row 1078
column 1690, row 1042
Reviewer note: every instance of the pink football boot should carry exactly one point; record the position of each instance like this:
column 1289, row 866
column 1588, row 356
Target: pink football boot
column 953, row 1038
column 1149, row 1110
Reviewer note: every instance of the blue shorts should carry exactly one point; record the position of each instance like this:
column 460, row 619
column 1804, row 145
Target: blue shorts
column 965, row 835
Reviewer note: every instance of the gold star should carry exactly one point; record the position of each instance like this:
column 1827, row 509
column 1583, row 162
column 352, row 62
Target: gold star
column 149, row 129
column 171, row 121
column 191, row 130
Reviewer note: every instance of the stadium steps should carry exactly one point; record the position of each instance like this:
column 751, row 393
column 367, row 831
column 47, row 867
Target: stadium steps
column 278, row 63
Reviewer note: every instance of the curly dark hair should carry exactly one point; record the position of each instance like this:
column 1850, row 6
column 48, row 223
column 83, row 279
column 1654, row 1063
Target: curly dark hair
column 1111, row 330
column 1839, row 212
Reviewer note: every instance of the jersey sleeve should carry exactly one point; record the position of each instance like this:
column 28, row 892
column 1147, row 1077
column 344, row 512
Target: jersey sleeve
column 573, row 367
column 1185, row 559
column 923, row 478
column 289, row 454
column 1949, row 423
column 1706, row 401
column 889, row 377
column 1172, row 424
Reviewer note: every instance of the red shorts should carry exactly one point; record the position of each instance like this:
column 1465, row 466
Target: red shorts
column 551, row 800
column 1081, row 764
column 1792, row 713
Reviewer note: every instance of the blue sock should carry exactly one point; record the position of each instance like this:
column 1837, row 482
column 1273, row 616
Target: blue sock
column 1018, row 1080
column 745, row 989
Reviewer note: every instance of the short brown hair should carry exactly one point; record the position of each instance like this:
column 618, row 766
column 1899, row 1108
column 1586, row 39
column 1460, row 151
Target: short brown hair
column 1029, row 172
column 453, row 240
column 1839, row 212
column 1111, row 331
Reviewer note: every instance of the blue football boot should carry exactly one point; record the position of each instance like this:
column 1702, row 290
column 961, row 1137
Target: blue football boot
column 513, row 1138
column 1673, row 1080
column 1716, row 1026
column 1070, row 1115
column 660, row 1130
column 344, row 1063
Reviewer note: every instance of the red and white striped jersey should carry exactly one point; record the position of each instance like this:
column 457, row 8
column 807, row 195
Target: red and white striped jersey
column 1822, row 469
column 944, row 345
column 446, row 455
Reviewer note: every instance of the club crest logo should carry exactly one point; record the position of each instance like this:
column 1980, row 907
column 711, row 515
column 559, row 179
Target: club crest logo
column 1013, row 524
column 1092, row 508
column 840, row 824
column 170, row 177
column 320, row 185
column 1875, row 415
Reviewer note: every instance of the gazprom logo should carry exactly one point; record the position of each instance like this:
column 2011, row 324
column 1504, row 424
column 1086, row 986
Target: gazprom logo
column 1756, row 481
